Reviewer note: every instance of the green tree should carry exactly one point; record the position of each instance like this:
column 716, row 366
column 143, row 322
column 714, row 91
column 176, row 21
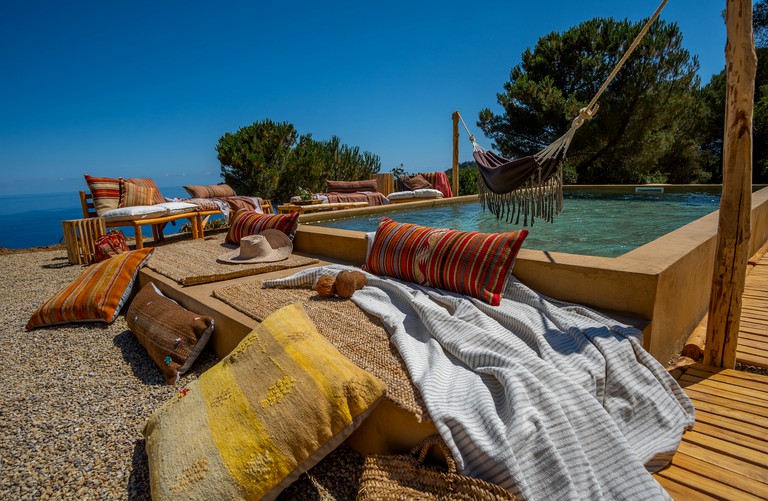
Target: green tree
column 253, row 157
column 646, row 126
column 267, row 159
column 467, row 178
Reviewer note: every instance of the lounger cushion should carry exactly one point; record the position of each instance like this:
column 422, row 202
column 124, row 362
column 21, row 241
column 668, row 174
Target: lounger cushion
column 401, row 195
column 351, row 186
column 471, row 263
column 105, row 192
column 172, row 335
column 249, row 426
column 134, row 213
column 427, row 193
column 147, row 182
column 247, row 222
column 97, row 294
column 132, row 195
column 210, row 191
column 177, row 207
column 416, row 182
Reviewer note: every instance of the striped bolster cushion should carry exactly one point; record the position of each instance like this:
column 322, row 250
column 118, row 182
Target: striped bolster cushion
column 133, row 195
column 210, row 191
column 270, row 410
column 97, row 294
column 471, row 263
column 147, row 182
column 105, row 192
column 248, row 222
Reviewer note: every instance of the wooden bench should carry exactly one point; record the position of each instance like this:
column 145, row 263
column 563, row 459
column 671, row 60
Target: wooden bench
column 157, row 223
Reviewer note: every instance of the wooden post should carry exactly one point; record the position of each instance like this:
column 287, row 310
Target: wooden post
column 455, row 170
column 736, row 200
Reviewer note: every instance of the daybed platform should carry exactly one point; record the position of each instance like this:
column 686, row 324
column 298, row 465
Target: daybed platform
column 724, row 457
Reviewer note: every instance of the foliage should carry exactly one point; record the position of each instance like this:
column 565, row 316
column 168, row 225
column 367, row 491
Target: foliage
column 253, row 157
column 398, row 171
column 646, row 125
column 467, row 178
column 211, row 224
column 269, row 159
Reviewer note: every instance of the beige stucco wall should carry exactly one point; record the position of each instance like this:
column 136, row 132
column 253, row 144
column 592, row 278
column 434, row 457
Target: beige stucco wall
column 665, row 282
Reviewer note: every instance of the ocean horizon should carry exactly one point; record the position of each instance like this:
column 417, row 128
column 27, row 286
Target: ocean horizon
column 35, row 220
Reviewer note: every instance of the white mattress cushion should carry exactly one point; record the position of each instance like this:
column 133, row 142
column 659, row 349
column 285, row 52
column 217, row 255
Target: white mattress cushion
column 135, row 212
column 427, row 193
column 177, row 207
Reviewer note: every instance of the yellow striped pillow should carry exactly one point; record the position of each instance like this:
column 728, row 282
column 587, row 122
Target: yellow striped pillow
column 132, row 195
column 97, row 294
column 270, row 410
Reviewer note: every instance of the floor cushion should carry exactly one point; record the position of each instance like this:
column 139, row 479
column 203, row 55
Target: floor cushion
column 97, row 294
column 282, row 400
column 471, row 263
column 247, row 222
column 172, row 335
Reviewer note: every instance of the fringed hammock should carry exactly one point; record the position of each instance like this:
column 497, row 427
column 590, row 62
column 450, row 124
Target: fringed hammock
column 532, row 186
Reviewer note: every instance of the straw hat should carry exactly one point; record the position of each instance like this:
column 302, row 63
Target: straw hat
column 266, row 247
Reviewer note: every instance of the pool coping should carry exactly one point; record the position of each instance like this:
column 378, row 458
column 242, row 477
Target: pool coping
column 666, row 282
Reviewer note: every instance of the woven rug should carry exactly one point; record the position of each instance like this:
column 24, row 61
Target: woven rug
column 358, row 336
column 192, row 262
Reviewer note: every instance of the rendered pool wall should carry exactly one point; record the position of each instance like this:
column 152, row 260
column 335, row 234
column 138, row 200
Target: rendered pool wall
column 665, row 283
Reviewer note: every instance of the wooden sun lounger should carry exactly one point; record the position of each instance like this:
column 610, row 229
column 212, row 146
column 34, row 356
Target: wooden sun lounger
column 157, row 223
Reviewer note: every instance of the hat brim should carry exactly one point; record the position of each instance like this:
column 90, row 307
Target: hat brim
column 281, row 244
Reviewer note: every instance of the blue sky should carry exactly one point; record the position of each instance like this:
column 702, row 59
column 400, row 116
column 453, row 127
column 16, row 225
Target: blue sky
column 145, row 89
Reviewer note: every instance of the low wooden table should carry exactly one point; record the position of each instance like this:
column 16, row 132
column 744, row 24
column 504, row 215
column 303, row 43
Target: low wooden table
column 304, row 209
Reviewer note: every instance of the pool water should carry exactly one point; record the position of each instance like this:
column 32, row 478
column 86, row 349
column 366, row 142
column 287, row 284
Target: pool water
column 595, row 224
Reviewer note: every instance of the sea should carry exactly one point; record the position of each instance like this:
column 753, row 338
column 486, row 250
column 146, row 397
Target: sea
column 35, row 220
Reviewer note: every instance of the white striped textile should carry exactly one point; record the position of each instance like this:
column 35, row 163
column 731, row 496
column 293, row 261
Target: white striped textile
column 548, row 399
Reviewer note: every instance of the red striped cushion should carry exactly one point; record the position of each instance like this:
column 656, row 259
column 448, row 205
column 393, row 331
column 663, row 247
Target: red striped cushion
column 210, row 191
column 132, row 195
column 471, row 263
column 248, row 222
column 105, row 192
column 97, row 294
column 148, row 182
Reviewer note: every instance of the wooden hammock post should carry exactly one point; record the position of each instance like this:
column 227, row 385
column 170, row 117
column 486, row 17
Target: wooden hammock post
column 735, row 204
column 455, row 165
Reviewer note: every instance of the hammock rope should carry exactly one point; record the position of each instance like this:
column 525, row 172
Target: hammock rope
column 532, row 186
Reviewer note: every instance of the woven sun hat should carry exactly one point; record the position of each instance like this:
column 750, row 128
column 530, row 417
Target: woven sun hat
column 266, row 247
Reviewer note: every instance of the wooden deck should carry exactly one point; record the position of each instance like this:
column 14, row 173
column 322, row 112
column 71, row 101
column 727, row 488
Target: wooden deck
column 725, row 456
column 753, row 328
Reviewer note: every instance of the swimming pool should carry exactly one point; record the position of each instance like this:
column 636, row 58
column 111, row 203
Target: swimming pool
column 601, row 223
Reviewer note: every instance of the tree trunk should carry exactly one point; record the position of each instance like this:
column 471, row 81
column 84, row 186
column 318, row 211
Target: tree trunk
column 735, row 204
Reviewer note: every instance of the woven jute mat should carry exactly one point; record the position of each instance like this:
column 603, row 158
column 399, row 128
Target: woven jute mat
column 192, row 262
column 357, row 335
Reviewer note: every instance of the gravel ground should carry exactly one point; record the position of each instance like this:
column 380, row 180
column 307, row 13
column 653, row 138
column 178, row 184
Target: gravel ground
column 77, row 396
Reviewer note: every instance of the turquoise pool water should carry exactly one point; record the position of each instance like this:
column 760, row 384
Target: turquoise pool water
column 595, row 224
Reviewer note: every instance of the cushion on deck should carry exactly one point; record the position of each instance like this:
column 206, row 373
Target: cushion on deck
column 147, row 182
column 281, row 401
column 134, row 213
column 105, row 192
column 97, row 294
column 172, row 335
column 132, row 195
column 471, row 263
column 351, row 186
column 210, row 191
column 248, row 222
column 177, row 207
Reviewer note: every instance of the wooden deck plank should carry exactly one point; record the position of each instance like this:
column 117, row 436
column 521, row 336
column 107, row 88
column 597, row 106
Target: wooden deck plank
column 736, row 458
column 732, row 436
column 740, row 393
column 695, row 460
column 694, row 480
column 758, row 433
column 752, row 411
column 679, row 491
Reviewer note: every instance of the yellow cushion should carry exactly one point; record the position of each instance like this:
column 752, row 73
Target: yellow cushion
column 270, row 410
column 97, row 294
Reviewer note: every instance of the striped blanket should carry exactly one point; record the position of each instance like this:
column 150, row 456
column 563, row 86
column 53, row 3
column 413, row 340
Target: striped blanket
column 547, row 399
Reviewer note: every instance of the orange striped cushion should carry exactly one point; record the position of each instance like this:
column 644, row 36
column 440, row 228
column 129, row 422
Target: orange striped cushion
column 148, row 182
column 248, row 222
column 210, row 191
column 96, row 295
column 132, row 195
column 105, row 192
column 471, row 263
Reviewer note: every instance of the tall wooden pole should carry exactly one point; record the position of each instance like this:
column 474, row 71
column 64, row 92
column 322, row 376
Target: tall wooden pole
column 736, row 200
column 455, row 171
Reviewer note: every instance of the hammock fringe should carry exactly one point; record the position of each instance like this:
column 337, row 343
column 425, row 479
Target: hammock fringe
column 536, row 199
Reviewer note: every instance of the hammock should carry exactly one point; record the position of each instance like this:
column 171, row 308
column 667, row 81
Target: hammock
column 532, row 186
